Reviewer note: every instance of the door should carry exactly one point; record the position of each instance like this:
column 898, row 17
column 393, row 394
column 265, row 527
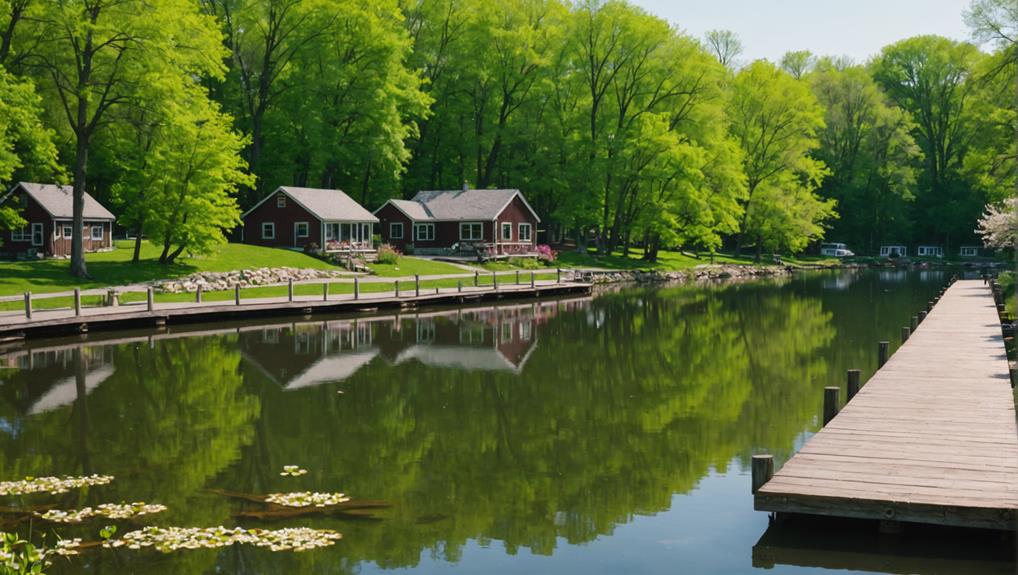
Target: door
column 37, row 234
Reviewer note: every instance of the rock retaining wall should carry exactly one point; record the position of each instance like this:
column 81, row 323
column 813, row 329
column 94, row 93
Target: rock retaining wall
column 212, row 281
column 699, row 273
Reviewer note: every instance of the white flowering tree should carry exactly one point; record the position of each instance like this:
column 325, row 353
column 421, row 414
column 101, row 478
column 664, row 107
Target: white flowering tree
column 999, row 225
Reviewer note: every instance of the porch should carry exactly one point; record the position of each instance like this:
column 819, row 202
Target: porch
column 348, row 238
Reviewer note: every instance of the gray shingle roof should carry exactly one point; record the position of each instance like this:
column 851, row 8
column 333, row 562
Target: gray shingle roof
column 464, row 204
column 413, row 209
column 329, row 205
column 58, row 201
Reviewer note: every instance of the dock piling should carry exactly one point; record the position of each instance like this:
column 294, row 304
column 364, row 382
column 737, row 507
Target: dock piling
column 905, row 332
column 236, row 294
column 77, row 301
column 882, row 352
column 477, row 278
column 289, row 289
column 397, row 289
column 28, row 305
column 325, row 291
column 853, row 384
column 517, row 277
column 914, row 323
column 922, row 316
column 763, row 470
column 558, row 275
column 197, row 294
column 150, row 299
column 830, row 403
column 356, row 288
column 459, row 286
column 417, row 285
column 494, row 281
column 532, row 280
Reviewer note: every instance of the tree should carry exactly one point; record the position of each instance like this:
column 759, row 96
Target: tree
column 930, row 77
column 999, row 225
column 868, row 146
column 93, row 57
column 798, row 63
column 776, row 121
column 725, row 46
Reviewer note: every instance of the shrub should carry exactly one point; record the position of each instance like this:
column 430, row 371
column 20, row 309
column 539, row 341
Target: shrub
column 311, row 248
column 546, row 254
column 387, row 255
column 525, row 263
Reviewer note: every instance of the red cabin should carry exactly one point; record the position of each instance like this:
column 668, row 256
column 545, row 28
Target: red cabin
column 49, row 213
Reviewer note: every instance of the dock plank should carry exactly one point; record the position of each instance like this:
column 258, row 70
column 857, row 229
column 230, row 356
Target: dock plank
column 930, row 438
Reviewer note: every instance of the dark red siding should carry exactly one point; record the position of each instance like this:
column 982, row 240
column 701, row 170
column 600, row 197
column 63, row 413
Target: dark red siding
column 33, row 213
column 516, row 213
column 286, row 219
column 389, row 214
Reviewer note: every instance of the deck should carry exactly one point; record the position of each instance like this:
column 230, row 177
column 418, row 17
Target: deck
column 931, row 438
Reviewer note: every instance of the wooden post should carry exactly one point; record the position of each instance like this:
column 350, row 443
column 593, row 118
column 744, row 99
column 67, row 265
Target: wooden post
column 1000, row 309
column 77, row 301
column 236, row 294
column 1014, row 377
column 882, row 350
column 494, row 281
column 197, row 294
column 905, row 332
column 325, row 291
column 417, row 285
column 558, row 275
column 356, row 288
column 830, row 403
column 929, row 306
column 397, row 289
column 532, row 280
column 517, row 277
column 289, row 290
column 853, row 384
column 763, row 470
column 28, row 305
column 914, row 323
column 459, row 286
column 922, row 316
column 150, row 299
column 477, row 278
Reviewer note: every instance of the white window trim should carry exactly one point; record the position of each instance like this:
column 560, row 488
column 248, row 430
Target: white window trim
column 417, row 232
column 296, row 229
column 271, row 226
column 969, row 251
column 469, row 226
column 42, row 237
column 530, row 232
column 280, row 201
column 507, row 226
column 393, row 226
column 91, row 233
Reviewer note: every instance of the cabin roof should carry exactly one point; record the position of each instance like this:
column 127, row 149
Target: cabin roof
column 326, row 205
column 459, row 205
column 58, row 201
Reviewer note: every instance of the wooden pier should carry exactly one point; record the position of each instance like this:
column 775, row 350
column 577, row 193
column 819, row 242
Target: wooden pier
column 77, row 319
column 931, row 438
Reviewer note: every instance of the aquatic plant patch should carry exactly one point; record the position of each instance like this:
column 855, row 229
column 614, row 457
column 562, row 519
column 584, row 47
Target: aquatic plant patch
column 108, row 510
column 51, row 485
column 167, row 539
column 292, row 471
column 307, row 499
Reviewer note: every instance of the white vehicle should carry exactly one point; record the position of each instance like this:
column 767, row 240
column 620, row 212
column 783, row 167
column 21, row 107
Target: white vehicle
column 835, row 250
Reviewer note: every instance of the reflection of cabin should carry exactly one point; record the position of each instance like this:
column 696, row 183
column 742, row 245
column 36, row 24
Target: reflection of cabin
column 43, row 380
column 930, row 252
column 893, row 251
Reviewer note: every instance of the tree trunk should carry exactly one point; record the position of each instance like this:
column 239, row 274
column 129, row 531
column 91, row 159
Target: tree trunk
column 137, row 242
column 173, row 256
column 78, row 268
column 759, row 249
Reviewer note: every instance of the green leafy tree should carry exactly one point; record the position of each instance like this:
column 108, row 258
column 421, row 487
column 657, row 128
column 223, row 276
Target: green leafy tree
column 798, row 63
column 776, row 121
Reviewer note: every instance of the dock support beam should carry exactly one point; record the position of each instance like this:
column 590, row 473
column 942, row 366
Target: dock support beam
column 853, row 384
column 494, row 281
column 830, row 403
column 532, row 280
column 77, row 301
column 905, row 332
column 517, row 277
column 882, row 351
column 417, row 285
column 558, row 275
column 325, row 291
column 477, row 278
column 356, row 288
column 459, row 286
column 150, row 299
column 197, row 294
column 236, row 294
column 396, row 289
column 289, row 290
column 763, row 470
column 28, row 305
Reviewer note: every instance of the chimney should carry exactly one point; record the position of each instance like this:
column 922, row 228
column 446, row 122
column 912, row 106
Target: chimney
column 466, row 186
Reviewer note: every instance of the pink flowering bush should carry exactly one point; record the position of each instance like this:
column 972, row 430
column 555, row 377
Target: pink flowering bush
column 546, row 254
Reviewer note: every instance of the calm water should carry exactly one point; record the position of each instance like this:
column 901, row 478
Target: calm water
column 599, row 435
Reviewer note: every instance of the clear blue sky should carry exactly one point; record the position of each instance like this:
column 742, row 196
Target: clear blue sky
column 854, row 28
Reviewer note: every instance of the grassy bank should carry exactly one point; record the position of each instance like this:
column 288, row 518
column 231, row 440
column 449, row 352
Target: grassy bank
column 674, row 261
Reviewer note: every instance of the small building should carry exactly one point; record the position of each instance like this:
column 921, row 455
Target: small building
column 484, row 224
column 930, row 252
column 309, row 219
column 969, row 251
column 49, row 213
column 893, row 251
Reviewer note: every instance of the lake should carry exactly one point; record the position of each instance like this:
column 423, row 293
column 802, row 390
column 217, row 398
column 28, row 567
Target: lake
column 609, row 434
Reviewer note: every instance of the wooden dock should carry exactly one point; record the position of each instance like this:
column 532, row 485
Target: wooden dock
column 931, row 438
column 16, row 326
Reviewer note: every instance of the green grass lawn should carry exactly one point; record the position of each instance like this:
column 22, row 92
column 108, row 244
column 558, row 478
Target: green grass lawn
column 408, row 266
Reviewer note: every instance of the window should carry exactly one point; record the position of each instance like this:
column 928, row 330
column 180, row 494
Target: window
column 507, row 231
column 424, row 232
column 22, row 235
column 969, row 251
column 471, row 231
column 396, row 231
column 97, row 233
column 280, row 201
column 68, row 232
column 37, row 236
column 268, row 231
column 301, row 229
column 524, row 232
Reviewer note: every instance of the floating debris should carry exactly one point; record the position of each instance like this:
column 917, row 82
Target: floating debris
column 166, row 539
column 108, row 510
column 293, row 471
column 51, row 485
column 307, row 499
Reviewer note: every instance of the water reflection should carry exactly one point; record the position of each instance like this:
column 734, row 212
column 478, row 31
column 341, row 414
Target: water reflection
column 532, row 427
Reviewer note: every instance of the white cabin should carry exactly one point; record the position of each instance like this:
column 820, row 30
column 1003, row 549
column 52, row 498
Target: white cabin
column 930, row 252
column 893, row 251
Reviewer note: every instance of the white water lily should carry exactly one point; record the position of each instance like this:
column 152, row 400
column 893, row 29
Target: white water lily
column 108, row 510
column 51, row 485
column 307, row 499
column 293, row 471
column 168, row 539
